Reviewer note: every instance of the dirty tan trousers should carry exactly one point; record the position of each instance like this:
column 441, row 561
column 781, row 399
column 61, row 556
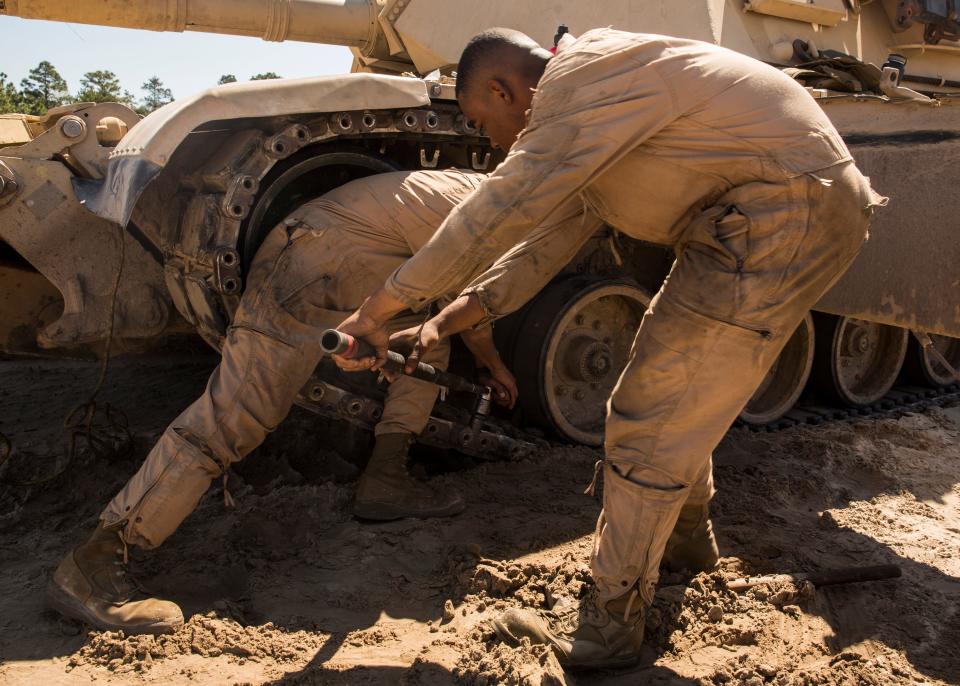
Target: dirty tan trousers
column 747, row 272
column 300, row 283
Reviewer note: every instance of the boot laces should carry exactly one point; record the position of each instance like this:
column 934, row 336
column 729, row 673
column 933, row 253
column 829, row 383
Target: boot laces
column 587, row 611
column 590, row 611
column 126, row 584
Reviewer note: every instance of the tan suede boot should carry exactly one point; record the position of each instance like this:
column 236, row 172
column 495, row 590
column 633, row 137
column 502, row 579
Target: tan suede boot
column 591, row 635
column 91, row 584
column 692, row 545
column 387, row 491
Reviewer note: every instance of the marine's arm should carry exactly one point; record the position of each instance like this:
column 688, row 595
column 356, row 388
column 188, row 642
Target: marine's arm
column 512, row 280
column 536, row 178
column 520, row 274
column 553, row 160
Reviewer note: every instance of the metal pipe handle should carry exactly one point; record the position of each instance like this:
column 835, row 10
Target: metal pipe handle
column 333, row 342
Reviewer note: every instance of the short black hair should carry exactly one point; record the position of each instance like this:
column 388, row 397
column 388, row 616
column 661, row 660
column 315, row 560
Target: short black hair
column 486, row 47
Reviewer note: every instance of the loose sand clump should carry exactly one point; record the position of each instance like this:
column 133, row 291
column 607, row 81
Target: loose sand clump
column 491, row 663
column 204, row 635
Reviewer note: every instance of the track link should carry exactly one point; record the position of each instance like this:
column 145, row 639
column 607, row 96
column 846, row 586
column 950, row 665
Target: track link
column 900, row 400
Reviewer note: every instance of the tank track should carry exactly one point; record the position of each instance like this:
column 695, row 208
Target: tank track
column 898, row 401
column 449, row 427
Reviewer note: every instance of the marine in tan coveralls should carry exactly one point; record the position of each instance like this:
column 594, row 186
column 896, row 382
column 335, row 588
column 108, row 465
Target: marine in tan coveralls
column 675, row 142
column 311, row 271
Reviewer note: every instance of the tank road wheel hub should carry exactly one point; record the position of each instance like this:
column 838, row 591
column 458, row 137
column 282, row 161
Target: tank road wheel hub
column 783, row 384
column 586, row 359
column 858, row 361
column 923, row 368
column 585, row 352
column 570, row 350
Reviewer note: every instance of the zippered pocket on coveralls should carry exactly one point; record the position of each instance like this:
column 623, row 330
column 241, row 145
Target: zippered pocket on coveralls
column 760, row 331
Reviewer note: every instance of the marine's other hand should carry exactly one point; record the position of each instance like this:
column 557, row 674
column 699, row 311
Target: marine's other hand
column 503, row 383
column 415, row 343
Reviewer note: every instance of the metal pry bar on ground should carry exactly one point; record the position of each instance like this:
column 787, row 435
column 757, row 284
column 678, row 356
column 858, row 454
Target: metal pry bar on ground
column 828, row 577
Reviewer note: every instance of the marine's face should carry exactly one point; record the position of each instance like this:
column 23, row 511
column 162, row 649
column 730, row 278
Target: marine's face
column 494, row 107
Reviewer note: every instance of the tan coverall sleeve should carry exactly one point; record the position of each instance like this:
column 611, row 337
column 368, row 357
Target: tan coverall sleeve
column 524, row 270
column 554, row 158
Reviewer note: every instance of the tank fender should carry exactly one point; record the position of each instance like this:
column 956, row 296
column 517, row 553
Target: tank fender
column 143, row 152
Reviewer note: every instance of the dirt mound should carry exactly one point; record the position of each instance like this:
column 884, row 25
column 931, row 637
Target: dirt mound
column 496, row 664
column 205, row 635
column 287, row 587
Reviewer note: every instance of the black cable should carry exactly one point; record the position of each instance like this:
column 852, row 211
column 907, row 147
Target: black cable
column 99, row 426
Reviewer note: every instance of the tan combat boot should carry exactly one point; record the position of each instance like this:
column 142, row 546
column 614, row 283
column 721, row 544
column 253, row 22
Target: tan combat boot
column 387, row 491
column 692, row 545
column 91, row 584
column 592, row 635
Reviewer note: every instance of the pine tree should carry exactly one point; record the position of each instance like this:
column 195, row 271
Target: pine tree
column 9, row 96
column 101, row 86
column 227, row 78
column 265, row 76
column 43, row 89
column 156, row 95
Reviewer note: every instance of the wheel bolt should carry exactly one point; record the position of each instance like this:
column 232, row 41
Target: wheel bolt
column 578, row 395
column 578, row 320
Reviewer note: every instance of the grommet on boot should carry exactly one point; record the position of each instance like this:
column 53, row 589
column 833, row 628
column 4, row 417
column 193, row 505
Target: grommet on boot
column 92, row 585
column 387, row 491
column 692, row 545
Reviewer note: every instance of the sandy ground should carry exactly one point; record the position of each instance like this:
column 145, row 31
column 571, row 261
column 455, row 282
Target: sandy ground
column 288, row 588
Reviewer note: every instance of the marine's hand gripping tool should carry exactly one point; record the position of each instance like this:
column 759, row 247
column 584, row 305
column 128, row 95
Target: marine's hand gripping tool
column 333, row 342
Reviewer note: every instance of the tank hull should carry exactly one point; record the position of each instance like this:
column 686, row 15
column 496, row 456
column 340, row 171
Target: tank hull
column 199, row 182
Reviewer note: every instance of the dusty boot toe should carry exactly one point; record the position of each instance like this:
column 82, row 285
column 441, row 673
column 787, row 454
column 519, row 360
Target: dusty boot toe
column 514, row 625
column 91, row 585
column 586, row 635
column 148, row 616
column 387, row 491
column 415, row 500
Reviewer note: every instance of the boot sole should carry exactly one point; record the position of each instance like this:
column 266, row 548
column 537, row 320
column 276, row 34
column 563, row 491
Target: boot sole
column 69, row 606
column 612, row 663
column 381, row 512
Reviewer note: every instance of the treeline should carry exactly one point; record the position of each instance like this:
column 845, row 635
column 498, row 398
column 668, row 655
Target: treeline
column 44, row 88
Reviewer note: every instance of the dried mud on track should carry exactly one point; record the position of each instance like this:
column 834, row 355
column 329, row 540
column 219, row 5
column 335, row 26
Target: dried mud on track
column 287, row 588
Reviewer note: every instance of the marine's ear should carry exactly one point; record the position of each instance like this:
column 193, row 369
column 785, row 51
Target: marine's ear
column 500, row 90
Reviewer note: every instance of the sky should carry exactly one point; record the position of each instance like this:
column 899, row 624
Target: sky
column 185, row 62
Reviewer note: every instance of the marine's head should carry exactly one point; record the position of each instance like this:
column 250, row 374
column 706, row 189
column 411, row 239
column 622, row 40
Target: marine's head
column 496, row 77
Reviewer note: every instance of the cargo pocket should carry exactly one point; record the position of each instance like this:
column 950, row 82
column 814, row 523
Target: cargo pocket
column 252, row 392
column 273, row 272
column 315, row 277
column 712, row 274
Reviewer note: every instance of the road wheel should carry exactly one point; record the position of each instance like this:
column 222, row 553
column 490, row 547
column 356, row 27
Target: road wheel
column 857, row 361
column 569, row 350
column 783, row 384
